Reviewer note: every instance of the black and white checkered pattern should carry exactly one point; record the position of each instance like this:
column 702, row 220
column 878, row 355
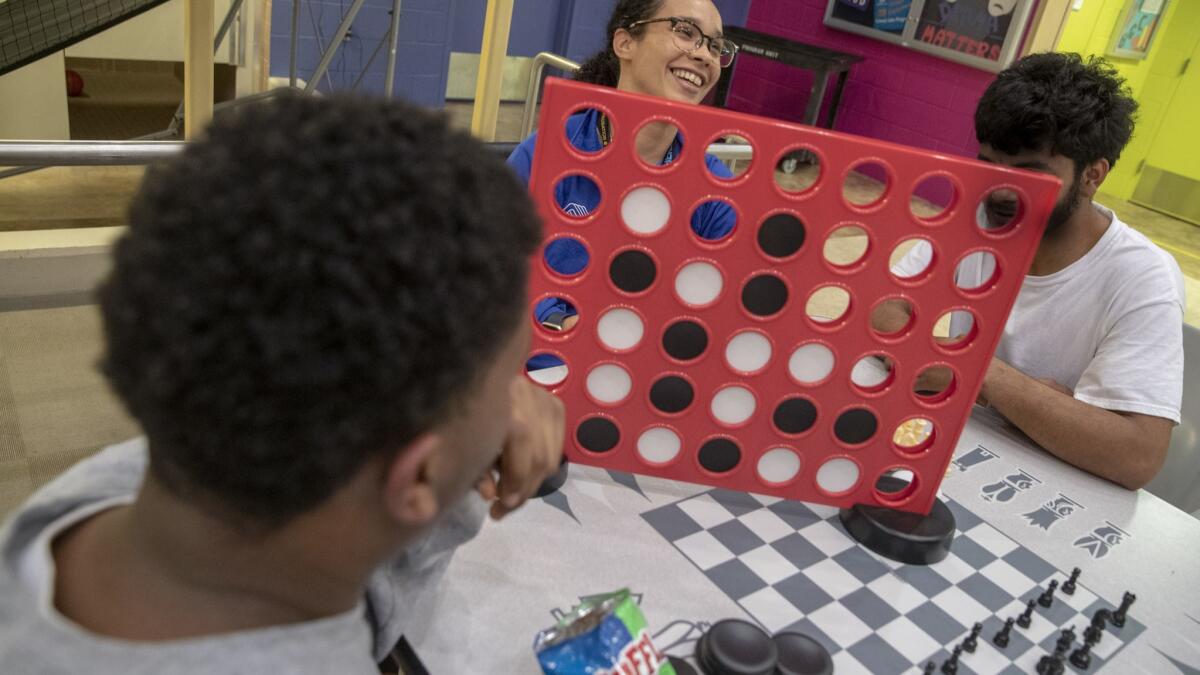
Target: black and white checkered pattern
column 792, row 566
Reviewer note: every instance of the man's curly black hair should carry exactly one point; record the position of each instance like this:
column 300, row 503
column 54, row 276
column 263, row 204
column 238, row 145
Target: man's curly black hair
column 313, row 282
column 1073, row 107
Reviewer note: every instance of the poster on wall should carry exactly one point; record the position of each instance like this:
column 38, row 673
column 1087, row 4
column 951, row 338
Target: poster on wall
column 885, row 15
column 975, row 27
column 1136, row 29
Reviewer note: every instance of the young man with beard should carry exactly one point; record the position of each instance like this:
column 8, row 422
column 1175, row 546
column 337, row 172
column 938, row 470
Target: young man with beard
column 1090, row 364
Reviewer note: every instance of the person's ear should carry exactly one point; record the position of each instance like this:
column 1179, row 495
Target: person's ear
column 1093, row 177
column 409, row 493
column 624, row 44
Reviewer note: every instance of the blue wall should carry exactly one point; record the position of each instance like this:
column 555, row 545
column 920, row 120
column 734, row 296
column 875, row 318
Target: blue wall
column 430, row 30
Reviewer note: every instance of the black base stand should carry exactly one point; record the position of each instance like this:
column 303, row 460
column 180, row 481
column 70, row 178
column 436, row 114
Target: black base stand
column 554, row 482
column 904, row 537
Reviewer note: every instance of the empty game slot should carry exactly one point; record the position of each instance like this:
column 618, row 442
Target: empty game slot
column 685, row 340
column 555, row 314
column 733, row 406
column 955, row 330
column 645, row 210
column 597, row 434
column 577, row 196
column 589, row 131
column 896, row 484
column 714, row 221
column 735, row 154
column 914, row 436
column 658, row 446
column 1000, row 211
column 778, row 466
column 976, row 272
column 866, row 184
column 828, row 305
column 912, row 259
column 698, row 284
column 781, row 236
column 933, row 197
column 748, row 352
column 546, row 369
column 609, row 384
column 838, row 475
column 934, row 384
column 794, row 416
column 633, row 271
column 672, row 394
column 892, row 318
column 855, row 426
column 798, row 171
column 847, row 246
column 620, row 329
column 654, row 133
column 566, row 256
column 719, row 455
column 811, row 363
column 764, row 295
column 872, row 373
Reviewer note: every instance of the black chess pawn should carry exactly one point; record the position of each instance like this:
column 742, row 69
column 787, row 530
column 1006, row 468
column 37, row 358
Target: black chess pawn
column 1082, row 658
column 1051, row 664
column 1047, row 597
column 950, row 666
column 1026, row 617
column 1001, row 637
column 930, row 667
column 972, row 640
column 1068, row 586
column 1118, row 617
column 1065, row 640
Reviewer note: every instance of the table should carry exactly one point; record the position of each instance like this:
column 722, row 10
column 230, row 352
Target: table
column 593, row 536
column 824, row 63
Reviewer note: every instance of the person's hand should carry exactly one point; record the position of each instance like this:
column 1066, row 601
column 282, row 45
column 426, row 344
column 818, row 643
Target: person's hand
column 532, row 451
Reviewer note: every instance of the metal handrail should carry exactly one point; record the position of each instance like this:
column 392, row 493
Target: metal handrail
column 86, row 153
column 534, row 89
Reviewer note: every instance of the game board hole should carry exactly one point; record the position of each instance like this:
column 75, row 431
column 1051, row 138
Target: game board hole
column 597, row 434
column 794, row 416
column 748, row 352
column 892, row 317
column 659, row 445
column 934, row 384
column 871, row 373
column 846, row 246
column 566, row 256
column 650, row 132
column 556, row 315
column 781, row 235
column 714, row 221
column 579, row 127
column 828, row 304
column 811, row 363
column 976, row 272
column 685, row 340
column 671, row 394
column 955, row 330
column 609, row 383
column 896, row 484
column 584, row 196
column 933, row 197
column 699, row 284
column 778, row 466
column 736, row 154
column 764, row 295
column 720, row 455
column 620, row 329
column 911, row 259
column 914, row 436
column 798, row 171
column 733, row 405
column 645, row 210
column 866, row 184
column 1001, row 210
column 546, row 369
column 837, row 475
column 855, row 426
column 632, row 271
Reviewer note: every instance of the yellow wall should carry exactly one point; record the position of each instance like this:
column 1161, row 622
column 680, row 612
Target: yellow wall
column 1089, row 31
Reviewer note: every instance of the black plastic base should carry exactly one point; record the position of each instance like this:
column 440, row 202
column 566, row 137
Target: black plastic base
column 553, row 483
column 904, row 537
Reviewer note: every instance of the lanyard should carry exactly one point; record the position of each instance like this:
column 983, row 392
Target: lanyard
column 604, row 131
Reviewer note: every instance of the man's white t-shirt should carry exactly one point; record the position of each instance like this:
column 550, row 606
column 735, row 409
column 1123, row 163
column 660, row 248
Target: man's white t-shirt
column 1109, row 326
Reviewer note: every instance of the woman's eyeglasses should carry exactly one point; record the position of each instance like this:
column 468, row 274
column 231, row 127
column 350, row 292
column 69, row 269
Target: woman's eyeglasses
column 689, row 38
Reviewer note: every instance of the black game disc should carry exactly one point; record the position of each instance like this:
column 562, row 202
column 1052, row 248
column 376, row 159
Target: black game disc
column 685, row 340
column 905, row 537
column 801, row 655
column 855, row 426
column 781, row 235
column 554, row 482
column 764, row 295
column 736, row 647
column 671, row 394
column 632, row 271
column 795, row 416
column 598, row 434
column 720, row 455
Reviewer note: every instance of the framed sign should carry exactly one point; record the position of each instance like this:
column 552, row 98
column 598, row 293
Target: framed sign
column 1135, row 31
column 984, row 34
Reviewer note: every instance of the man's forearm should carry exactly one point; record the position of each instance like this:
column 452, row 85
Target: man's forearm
column 1099, row 441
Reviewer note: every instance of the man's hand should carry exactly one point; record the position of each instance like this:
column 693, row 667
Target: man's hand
column 532, row 451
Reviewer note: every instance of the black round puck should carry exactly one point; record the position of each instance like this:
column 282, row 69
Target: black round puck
column 905, row 537
column 736, row 647
column 799, row 654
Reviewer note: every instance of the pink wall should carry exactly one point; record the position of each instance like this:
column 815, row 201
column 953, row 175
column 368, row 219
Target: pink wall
column 895, row 94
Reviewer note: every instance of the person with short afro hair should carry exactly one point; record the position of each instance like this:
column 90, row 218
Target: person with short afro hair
column 1090, row 363
column 318, row 316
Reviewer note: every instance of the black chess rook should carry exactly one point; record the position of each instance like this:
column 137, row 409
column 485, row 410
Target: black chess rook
column 1068, row 586
column 1001, row 637
column 1118, row 617
column 1027, row 616
column 1047, row 597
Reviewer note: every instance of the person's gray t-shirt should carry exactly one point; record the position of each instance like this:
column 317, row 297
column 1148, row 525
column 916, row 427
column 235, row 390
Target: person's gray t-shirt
column 36, row 640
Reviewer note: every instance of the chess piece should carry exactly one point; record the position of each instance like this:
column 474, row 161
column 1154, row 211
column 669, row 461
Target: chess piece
column 1065, row 640
column 1026, row 617
column 1118, row 617
column 930, row 667
column 1068, row 586
column 972, row 640
column 1082, row 658
column 950, row 667
column 1047, row 597
column 1001, row 637
column 1051, row 664
column 1092, row 634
